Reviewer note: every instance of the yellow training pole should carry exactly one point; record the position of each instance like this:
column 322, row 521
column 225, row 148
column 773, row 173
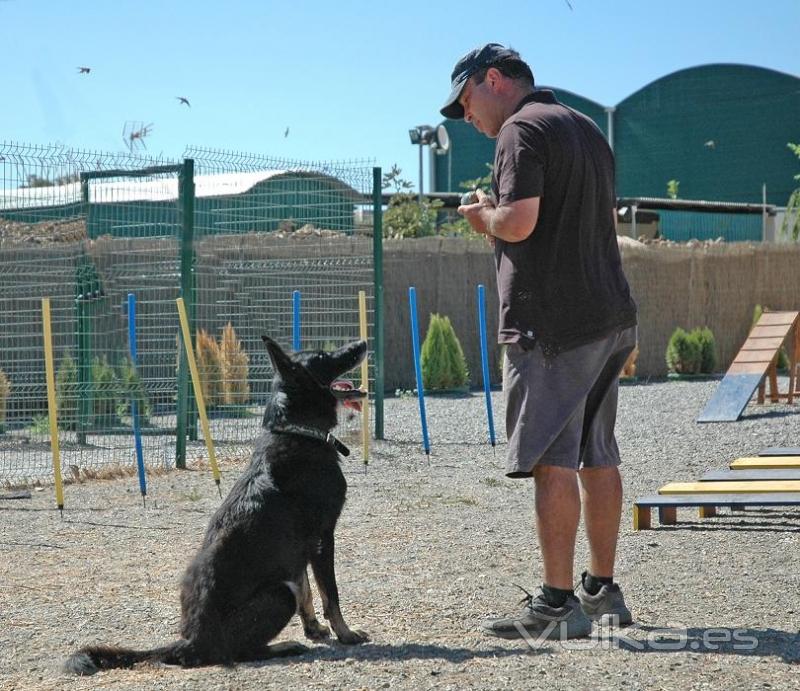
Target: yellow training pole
column 198, row 391
column 51, row 401
column 362, row 322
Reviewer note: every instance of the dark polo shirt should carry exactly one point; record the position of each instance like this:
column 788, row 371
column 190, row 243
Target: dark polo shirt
column 563, row 286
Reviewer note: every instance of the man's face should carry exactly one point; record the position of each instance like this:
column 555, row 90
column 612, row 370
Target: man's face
column 481, row 107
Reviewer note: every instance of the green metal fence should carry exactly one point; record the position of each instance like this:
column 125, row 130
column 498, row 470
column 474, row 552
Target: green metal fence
column 234, row 235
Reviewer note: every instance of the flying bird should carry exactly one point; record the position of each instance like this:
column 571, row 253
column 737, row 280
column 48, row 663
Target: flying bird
column 286, row 133
column 84, row 70
column 184, row 100
column 569, row 4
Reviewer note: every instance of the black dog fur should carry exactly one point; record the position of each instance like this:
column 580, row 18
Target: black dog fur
column 250, row 576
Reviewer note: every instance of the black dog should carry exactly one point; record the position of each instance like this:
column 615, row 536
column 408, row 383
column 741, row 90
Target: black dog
column 249, row 577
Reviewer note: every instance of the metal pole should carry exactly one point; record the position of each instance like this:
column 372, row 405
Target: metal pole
column 377, row 267
column 186, row 206
column 420, row 173
column 764, row 212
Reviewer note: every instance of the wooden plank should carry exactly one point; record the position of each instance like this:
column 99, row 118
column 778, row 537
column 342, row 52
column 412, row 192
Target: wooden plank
column 16, row 494
column 770, row 343
column 726, row 475
column 748, row 368
column 780, row 451
column 745, row 368
column 764, row 462
column 642, row 507
column 738, row 500
column 733, row 487
column 730, row 398
column 756, row 356
column 667, row 515
column 641, row 517
column 786, row 318
column 760, row 331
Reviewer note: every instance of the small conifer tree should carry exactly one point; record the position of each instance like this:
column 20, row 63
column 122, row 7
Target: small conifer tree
column 683, row 353
column 442, row 359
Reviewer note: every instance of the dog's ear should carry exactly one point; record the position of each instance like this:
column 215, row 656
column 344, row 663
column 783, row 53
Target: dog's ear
column 281, row 362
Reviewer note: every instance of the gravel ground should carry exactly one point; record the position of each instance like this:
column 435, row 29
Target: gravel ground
column 426, row 548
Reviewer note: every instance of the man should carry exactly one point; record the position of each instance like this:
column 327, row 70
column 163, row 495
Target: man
column 567, row 320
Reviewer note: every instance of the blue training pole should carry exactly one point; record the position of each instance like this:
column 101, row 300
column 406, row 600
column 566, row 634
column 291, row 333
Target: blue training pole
column 137, row 433
column 412, row 301
column 485, row 359
column 296, row 320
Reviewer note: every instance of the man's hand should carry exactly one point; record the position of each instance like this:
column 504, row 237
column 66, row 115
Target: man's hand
column 473, row 213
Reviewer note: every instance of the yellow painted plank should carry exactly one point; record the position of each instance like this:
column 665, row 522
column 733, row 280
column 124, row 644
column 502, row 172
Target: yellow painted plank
column 765, row 462
column 735, row 487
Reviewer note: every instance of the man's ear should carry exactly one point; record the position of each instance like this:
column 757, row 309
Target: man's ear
column 493, row 77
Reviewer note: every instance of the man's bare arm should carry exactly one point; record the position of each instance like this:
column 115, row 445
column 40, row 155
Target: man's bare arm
column 512, row 222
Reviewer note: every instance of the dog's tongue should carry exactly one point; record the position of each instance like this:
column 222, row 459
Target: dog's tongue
column 345, row 385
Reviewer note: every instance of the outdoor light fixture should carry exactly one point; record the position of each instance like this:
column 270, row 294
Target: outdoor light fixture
column 435, row 137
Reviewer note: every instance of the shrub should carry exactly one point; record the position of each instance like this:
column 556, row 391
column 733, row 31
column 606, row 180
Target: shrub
column 683, row 353
column 132, row 388
column 708, row 349
column 5, row 392
column 67, row 393
column 783, row 357
column 106, row 390
column 209, row 367
column 442, row 359
column 405, row 217
column 235, row 368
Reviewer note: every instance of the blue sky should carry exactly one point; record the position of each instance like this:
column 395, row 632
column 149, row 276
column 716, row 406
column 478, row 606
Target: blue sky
column 347, row 78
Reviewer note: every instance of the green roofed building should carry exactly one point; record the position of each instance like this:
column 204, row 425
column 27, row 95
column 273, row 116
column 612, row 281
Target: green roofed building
column 224, row 203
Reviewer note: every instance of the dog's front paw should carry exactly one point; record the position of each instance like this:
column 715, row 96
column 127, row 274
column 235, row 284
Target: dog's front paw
column 316, row 631
column 351, row 637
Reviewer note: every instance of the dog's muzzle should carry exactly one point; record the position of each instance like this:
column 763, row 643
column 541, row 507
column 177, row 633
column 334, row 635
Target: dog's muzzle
column 350, row 397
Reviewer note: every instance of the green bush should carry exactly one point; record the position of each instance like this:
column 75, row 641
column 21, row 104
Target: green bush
column 131, row 389
column 442, row 359
column 683, row 353
column 783, row 356
column 708, row 349
column 5, row 392
column 67, row 393
column 692, row 352
column 405, row 217
column 107, row 392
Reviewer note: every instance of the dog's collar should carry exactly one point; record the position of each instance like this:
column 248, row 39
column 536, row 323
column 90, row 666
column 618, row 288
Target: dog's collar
column 312, row 433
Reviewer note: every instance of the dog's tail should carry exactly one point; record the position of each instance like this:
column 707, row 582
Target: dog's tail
column 91, row 659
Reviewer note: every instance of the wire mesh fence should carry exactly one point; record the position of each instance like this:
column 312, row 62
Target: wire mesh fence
column 235, row 240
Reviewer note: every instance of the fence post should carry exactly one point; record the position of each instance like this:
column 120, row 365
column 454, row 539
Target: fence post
column 184, row 425
column 377, row 261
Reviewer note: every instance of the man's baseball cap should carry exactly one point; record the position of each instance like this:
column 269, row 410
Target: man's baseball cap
column 472, row 62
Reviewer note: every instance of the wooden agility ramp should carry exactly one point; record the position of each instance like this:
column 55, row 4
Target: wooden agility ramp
column 748, row 482
column 756, row 360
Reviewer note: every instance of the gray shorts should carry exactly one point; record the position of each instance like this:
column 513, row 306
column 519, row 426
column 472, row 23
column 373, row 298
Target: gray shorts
column 562, row 411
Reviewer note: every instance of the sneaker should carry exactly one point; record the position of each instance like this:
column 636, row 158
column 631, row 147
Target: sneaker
column 540, row 620
column 607, row 606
